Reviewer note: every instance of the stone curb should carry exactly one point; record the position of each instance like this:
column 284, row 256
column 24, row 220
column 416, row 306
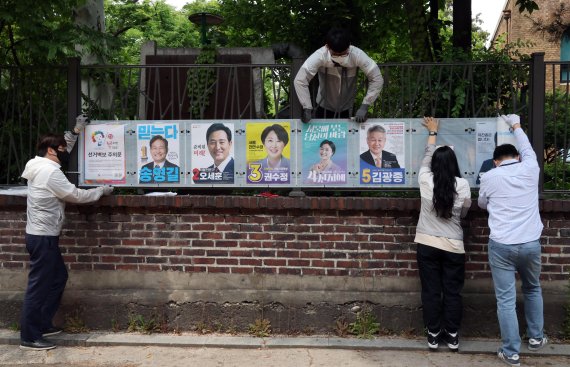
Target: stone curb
column 322, row 342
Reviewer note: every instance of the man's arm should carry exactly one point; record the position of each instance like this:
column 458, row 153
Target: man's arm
column 375, row 80
column 482, row 200
column 71, row 136
column 307, row 72
column 60, row 186
column 528, row 156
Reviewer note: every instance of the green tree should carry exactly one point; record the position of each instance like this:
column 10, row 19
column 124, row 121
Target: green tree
column 130, row 24
column 36, row 32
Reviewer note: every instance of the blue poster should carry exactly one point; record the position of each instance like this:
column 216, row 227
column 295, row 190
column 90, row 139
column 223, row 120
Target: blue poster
column 325, row 153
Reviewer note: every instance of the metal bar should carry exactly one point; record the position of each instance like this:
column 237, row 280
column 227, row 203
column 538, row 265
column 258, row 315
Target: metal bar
column 73, row 106
column 537, row 79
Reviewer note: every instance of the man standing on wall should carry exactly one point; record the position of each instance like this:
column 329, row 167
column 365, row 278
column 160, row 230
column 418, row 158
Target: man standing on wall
column 510, row 194
column 337, row 63
column 48, row 190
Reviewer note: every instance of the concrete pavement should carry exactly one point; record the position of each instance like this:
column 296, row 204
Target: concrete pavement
column 131, row 349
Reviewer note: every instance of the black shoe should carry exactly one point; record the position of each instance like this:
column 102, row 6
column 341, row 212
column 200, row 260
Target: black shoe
column 452, row 340
column 40, row 344
column 433, row 339
column 52, row 331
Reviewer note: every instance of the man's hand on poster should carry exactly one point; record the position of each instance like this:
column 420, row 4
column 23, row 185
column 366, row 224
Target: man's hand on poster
column 362, row 113
column 307, row 114
column 80, row 122
column 107, row 190
column 513, row 120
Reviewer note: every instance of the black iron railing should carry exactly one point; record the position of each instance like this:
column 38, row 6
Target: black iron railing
column 35, row 100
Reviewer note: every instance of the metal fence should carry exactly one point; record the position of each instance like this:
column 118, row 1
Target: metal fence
column 36, row 100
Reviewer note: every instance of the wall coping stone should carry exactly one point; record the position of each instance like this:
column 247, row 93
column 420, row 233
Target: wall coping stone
column 256, row 202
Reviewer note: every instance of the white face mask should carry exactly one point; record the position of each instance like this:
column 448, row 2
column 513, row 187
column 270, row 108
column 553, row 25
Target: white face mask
column 341, row 60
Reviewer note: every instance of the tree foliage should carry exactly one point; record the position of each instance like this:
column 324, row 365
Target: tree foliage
column 45, row 35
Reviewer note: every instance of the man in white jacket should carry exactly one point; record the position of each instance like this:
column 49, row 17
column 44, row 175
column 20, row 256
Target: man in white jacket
column 337, row 64
column 48, row 190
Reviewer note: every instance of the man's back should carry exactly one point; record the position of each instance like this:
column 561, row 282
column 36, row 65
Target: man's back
column 510, row 194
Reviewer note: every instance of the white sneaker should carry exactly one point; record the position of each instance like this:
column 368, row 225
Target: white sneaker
column 537, row 344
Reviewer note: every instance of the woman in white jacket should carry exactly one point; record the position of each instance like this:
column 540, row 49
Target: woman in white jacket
column 445, row 198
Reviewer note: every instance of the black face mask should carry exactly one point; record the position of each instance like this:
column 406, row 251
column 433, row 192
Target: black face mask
column 63, row 158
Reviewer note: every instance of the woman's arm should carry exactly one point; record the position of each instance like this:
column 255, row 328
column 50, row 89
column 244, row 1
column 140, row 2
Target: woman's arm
column 432, row 125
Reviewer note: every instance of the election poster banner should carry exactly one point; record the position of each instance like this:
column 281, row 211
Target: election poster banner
column 268, row 152
column 382, row 153
column 212, row 153
column 104, row 150
column 490, row 134
column 158, row 153
column 324, row 153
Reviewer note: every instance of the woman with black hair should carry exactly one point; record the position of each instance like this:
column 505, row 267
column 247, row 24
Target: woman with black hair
column 445, row 198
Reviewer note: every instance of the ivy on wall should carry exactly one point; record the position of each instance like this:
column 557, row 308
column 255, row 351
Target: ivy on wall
column 201, row 82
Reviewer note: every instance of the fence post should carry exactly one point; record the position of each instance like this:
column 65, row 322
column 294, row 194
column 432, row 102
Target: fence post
column 296, row 109
column 537, row 99
column 73, row 109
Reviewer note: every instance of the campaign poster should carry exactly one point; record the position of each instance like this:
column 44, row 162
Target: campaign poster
column 268, row 152
column 104, row 150
column 212, row 153
column 158, row 153
column 325, row 153
column 489, row 135
column 486, row 135
column 382, row 153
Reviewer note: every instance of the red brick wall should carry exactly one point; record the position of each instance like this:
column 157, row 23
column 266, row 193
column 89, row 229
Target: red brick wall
column 243, row 235
column 521, row 26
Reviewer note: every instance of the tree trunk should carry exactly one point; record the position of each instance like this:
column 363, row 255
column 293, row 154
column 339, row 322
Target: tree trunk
column 462, row 25
column 419, row 36
column 433, row 27
column 100, row 92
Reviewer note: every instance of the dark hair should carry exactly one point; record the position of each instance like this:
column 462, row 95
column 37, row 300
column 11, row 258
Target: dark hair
column 158, row 137
column 338, row 39
column 279, row 131
column 53, row 141
column 505, row 151
column 330, row 143
column 216, row 127
column 445, row 169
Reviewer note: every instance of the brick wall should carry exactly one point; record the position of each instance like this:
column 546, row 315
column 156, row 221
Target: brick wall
column 360, row 237
column 520, row 26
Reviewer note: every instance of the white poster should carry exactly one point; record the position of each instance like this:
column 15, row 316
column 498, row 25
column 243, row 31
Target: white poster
column 212, row 153
column 382, row 153
column 489, row 135
column 104, row 154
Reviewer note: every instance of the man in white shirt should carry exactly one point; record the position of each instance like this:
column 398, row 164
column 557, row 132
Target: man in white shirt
column 337, row 64
column 510, row 194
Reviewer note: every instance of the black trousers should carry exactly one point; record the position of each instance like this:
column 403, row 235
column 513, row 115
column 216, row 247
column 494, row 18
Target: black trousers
column 442, row 274
column 46, row 282
column 322, row 113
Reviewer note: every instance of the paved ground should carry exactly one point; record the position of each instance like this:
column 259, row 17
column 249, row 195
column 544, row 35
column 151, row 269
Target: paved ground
column 130, row 350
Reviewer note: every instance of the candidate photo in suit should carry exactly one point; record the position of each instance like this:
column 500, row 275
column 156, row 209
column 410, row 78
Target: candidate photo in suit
column 376, row 155
column 158, row 151
column 219, row 141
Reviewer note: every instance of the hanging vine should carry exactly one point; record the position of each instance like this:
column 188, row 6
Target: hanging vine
column 201, row 82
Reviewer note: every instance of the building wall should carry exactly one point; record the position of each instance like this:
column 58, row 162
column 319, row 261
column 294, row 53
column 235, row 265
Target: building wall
column 301, row 262
column 520, row 27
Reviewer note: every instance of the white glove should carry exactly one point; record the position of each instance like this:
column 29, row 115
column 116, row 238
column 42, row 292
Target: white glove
column 80, row 122
column 107, row 190
column 511, row 119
